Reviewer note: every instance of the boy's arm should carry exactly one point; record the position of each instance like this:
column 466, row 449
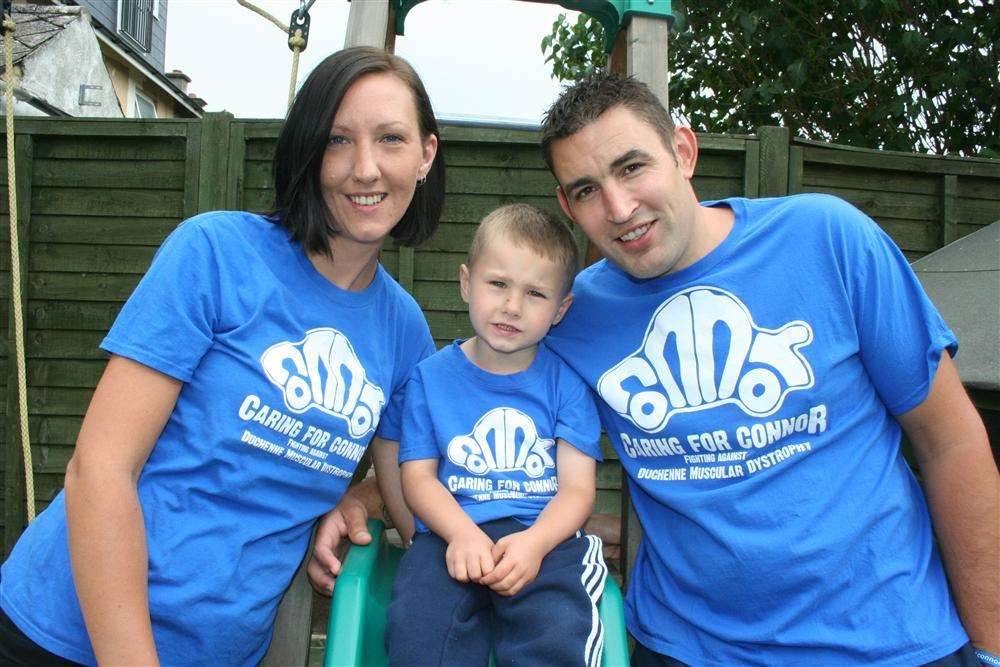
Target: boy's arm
column 519, row 555
column 469, row 554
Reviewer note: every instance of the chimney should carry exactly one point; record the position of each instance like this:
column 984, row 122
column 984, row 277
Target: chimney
column 179, row 79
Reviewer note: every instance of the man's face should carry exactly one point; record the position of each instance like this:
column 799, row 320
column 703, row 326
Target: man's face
column 629, row 193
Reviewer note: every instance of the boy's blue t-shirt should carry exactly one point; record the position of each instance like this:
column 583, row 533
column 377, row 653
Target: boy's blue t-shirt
column 751, row 397
column 286, row 379
column 495, row 435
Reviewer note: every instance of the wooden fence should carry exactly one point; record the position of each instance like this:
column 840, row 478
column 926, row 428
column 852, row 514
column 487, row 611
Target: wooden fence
column 96, row 198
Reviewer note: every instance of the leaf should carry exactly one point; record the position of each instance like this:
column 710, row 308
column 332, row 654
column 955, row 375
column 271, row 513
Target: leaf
column 832, row 71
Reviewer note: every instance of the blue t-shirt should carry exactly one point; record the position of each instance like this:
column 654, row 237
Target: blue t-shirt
column 495, row 435
column 286, row 379
column 751, row 398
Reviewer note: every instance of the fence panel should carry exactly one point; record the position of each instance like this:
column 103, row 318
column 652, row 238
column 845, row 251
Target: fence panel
column 97, row 197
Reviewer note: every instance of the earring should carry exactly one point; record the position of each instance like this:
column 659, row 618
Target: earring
column 421, row 181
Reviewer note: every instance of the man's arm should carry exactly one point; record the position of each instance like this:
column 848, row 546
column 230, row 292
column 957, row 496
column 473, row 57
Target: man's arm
column 963, row 493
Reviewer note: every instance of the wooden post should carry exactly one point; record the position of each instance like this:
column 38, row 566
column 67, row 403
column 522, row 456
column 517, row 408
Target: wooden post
column 192, row 166
column 371, row 23
column 213, row 172
column 774, row 144
column 15, row 516
column 641, row 51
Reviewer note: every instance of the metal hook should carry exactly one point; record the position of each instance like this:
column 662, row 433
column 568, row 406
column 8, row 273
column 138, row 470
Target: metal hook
column 298, row 26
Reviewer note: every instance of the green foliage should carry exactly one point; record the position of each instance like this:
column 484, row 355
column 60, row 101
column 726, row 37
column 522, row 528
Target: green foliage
column 889, row 74
column 576, row 50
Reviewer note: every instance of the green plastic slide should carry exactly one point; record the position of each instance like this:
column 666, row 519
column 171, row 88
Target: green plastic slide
column 361, row 598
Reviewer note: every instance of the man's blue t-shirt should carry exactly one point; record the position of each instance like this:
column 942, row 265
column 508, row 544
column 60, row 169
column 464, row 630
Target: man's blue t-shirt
column 286, row 379
column 751, row 397
column 495, row 435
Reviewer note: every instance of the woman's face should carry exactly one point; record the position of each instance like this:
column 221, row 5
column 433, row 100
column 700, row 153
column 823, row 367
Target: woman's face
column 373, row 160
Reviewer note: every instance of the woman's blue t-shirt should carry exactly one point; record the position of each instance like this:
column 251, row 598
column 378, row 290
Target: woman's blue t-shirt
column 286, row 378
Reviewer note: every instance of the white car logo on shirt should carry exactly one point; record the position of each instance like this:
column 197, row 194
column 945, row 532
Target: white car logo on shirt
column 674, row 370
column 322, row 371
column 504, row 439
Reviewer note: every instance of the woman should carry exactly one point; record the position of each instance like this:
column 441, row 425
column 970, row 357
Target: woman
column 249, row 370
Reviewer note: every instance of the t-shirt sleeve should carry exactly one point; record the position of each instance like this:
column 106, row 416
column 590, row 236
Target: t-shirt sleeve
column 577, row 422
column 415, row 345
column 417, row 441
column 168, row 322
column 901, row 335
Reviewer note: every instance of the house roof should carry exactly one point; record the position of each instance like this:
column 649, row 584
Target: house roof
column 36, row 25
column 963, row 281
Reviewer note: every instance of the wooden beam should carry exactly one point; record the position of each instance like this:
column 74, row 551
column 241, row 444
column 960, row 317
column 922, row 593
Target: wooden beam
column 795, row 167
column 293, row 622
column 371, row 23
column 237, row 166
column 751, row 168
column 949, row 217
column 405, row 271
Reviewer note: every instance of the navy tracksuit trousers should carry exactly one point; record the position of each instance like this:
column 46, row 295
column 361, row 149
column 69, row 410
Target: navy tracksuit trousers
column 437, row 621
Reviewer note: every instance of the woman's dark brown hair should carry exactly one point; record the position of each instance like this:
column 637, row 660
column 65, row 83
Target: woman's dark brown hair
column 298, row 157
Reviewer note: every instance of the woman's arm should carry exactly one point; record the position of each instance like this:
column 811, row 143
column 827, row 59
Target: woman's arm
column 107, row 537
column 385, row 455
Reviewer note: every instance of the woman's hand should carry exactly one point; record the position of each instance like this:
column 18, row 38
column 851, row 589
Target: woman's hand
column 349, row 519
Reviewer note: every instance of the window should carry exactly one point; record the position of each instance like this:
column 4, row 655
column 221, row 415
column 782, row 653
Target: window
column 144, row 107
column 135, row 21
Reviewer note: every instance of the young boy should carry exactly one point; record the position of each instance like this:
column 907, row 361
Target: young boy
column 498, row 455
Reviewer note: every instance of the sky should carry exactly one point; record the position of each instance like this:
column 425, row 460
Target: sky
column 477, row 58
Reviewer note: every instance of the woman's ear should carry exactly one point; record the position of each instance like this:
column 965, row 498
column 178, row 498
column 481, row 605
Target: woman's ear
column 430, row 151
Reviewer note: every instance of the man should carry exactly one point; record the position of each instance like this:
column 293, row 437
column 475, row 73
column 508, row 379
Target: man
column 755, row 361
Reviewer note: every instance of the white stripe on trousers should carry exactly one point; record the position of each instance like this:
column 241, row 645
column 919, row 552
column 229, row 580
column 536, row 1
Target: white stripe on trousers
column 595, row 572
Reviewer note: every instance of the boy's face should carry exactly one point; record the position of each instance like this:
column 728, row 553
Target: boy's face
column 515, row 295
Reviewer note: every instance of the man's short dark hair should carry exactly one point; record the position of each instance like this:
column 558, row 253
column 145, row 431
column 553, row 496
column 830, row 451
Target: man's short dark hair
column 298, row 156
column 582, row 103
column 529, row 227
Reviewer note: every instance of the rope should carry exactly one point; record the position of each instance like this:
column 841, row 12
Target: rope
column 296, row 42
column 15, row 270
column 281, row 26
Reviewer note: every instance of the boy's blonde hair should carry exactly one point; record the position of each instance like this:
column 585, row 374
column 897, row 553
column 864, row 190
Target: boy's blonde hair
column 531, row 227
